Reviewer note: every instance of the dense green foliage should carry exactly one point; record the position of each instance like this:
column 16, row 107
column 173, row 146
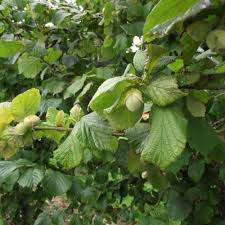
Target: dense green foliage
column 117, row 106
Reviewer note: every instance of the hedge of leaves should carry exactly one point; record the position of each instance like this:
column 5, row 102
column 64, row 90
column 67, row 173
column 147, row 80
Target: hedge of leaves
column 116, row 107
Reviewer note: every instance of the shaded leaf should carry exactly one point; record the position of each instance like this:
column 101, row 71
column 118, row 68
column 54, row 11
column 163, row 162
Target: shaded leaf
column 29, row 66
column 196, row 170
column 195, row 107
column 43, row 219
column 134, row 29
column 201, row 136
column 56, row 183
column 75, row 87
column 137, row 135
column 7, row 167
column 31, row 178
column 178, row 207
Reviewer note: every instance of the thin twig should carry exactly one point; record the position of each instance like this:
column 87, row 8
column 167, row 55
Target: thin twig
column 204, row 87
column 53, row 128
column 219, row 122
column 63, row 129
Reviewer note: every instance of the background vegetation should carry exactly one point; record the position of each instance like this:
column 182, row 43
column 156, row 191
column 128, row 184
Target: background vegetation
column 118, row 106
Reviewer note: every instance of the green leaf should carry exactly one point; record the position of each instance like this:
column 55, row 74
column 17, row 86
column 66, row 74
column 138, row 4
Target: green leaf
column 31, row 178
column 84, row 92
column 139, row 60
column 220, row 68
column 75, row 87
column 75, row 220
column 56, row 183
column 176, row 66
column 108, row 9
column 180, row 162
column 178, row 207
column 137, row 135
column 203, row 213
column 150, row 220
column 60, row 16
column 26, row 104
column 134, row 29
column 188, row 79
column 195, row 107
column 52, row 116
column 222, row 174
column 70, row 153
column 157, row 179
column 7, row 167
column 8, row 183
column 196, row 170
column 29, row 66
column 43, row 219
column 52, row 55
column 96, row 133
column 53, row 85
column 199, row 30
column 1, row 220
column 134, row 165
column 120, row 116
column 218, row 153
column 155, row 55
column 108, row 93
column 169, row 12
column 9, row 48
column 58, row 217
column 189, row 47
column 164, row 90
column 201, row 135
column 167, row 137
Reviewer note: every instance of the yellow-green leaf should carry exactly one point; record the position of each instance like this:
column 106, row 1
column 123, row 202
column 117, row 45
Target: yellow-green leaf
column 26, row 104
column 9, row 48
column 6, row 116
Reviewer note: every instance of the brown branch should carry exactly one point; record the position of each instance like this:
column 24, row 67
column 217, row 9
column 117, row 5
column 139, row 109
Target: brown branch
column 219, row 122
column 204, row 87
column 53, row 128
column 63, row 129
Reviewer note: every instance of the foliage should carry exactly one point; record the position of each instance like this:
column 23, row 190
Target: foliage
column 116, row 107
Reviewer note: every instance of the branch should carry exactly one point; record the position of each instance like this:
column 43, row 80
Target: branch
column 53, row 128
column 63, row 129
column 219, row 122
column 204, row 87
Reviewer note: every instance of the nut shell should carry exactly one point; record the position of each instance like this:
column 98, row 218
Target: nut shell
column 134, row 100
column 31, row 121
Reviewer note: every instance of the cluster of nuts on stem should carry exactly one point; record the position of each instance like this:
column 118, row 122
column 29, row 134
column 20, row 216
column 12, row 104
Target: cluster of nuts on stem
column 29, row 122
